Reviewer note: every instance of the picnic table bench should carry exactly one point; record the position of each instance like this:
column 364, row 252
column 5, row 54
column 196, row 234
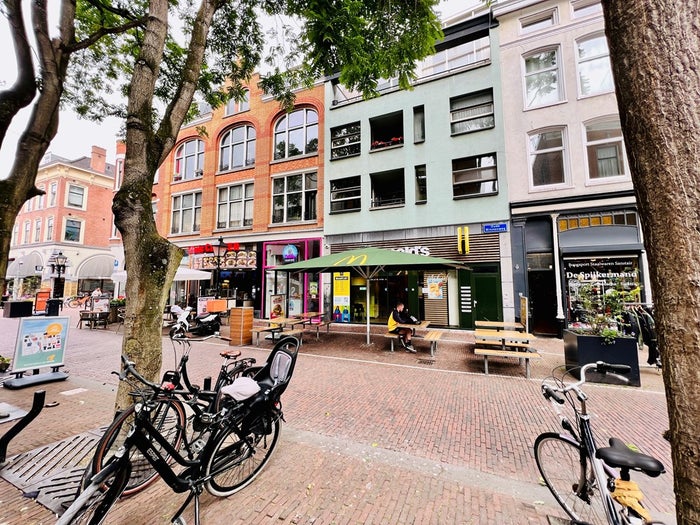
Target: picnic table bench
column 504, row 343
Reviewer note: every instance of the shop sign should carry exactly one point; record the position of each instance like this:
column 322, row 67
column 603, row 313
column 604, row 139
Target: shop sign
column 290, row 253
column 415, row 250
column 231, row 260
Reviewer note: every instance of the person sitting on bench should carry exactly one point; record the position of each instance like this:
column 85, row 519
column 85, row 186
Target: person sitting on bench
column 398, row 317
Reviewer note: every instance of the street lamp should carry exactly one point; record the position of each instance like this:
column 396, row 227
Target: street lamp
column 58, row 265
column 219, row 251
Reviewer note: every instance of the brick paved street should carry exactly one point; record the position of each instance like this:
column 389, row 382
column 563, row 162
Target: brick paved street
column 370, row 436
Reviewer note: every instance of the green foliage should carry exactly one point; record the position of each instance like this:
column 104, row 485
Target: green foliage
column 603, row 311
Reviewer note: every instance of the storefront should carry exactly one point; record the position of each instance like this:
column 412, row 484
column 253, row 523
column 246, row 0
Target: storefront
column 290, row 293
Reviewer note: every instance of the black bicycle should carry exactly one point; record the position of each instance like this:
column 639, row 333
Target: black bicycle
column 180, row 413
column 237, row 443
column 584, row 478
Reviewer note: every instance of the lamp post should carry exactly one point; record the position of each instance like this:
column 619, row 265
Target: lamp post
column 219, row 251
column 58, row 265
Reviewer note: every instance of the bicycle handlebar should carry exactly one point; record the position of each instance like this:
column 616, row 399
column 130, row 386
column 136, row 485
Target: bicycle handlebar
column 130, row 369
column 552, row 393
column 216, row 335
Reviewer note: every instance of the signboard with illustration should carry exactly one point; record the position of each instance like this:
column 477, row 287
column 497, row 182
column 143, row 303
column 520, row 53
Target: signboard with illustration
column 341, row 297
column 277, row 306
column 435, row 286
column 41, row 342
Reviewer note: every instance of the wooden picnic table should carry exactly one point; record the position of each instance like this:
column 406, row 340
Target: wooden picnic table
column 500, row 325
column 504, row 343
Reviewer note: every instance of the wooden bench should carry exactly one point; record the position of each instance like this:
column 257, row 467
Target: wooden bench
column 320, row 324
column 292, row 332
column 433, row 336
column 257, row 330
column 392, row 337
column 491, row 352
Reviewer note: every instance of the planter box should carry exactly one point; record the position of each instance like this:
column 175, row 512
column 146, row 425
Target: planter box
column 583, row 349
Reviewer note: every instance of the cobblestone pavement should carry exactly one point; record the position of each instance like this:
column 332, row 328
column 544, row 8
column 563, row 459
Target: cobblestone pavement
column 371, row 436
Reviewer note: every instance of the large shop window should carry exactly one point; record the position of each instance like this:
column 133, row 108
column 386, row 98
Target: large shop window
column 543, row 78
column 475, row 176
column 547, row 158
column 296, row 134
column 294, row 198
column 186, row 213
column 189, row 160
column 235, row 206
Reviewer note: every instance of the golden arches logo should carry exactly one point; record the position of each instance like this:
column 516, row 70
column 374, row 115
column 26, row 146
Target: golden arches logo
column 350, row 260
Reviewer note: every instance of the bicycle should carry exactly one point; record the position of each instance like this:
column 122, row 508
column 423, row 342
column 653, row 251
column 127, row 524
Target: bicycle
column 75, row 301
column 582, row 477
column 237, row 444
column 169, row 414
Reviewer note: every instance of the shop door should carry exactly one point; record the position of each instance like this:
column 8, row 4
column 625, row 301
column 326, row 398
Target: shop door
column 479, row 296
column 543, row 302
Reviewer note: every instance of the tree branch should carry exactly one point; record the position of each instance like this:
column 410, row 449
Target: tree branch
column 94, row 37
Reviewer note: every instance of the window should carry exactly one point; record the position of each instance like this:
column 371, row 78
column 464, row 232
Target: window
column 542, row 84
column 37, row 230
column 538, row 21
column 53, row 190
column 387, row 189
column 605, row 151
column 346, row 194
column 189, row 160
column 345, row 141
column 235, row 206
column 472, row 112
column 418, row 124
column 76, row 195
column 294, row 198
column 547, row 158
column 238, row 106
column 296, row 134
column 49, row 229
column 386, row 130
column 72, row 231
column 472, row 52
column 186, row 213
column 594, row 70
column 237, row 148
column 15, row 235
column 27, row 232
column 29, row 205
column 474, row 175
column 42, row 198
column 421, row 185
column 586, row 7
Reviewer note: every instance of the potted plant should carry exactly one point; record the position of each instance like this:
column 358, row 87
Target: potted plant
column 114, row 306
column 598, row 332
column 4, row 364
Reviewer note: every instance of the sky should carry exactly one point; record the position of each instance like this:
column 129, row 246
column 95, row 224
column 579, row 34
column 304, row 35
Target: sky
column 76, row 136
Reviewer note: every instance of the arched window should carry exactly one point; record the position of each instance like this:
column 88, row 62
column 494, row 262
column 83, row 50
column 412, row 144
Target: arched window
column 296, row 134
column 189, row 160
column 237, row 148
column 238, row 106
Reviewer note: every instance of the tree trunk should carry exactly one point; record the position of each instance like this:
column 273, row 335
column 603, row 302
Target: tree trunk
column 654, row 49
column 151, row 261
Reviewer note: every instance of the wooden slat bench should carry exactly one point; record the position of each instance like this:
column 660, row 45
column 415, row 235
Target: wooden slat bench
column 292, row 332
column 392, row 337
column 319, row 325
column 433, row 336
column 257, row 330
column 493, row 352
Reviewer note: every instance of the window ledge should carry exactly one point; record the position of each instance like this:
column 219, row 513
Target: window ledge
column 384, row 148
column 236, row 169
column 295, row 157
column 375, row 208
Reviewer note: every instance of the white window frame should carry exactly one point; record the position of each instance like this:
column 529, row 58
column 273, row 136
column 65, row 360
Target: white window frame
column 617, row 141
column 582, row 8
column 49, row 228
column 472, row 108
column 226, row 205
column 37, row 230
column 557, row 69
column 598, row 58
column 484, row 173
column 81, row 230
column 282, row 129
column 181, row 169
column 53, row 192
column 345, row 193
column 564, row 158
column 308, row 190
column 234, row 107
column 83, row 197
column 195, row 209
column 346, row 140
column 27, row 236
column 538, row 21
column 227, row 145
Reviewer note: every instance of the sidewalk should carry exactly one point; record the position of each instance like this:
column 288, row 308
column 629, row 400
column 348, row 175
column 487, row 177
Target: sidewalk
column 370, row 436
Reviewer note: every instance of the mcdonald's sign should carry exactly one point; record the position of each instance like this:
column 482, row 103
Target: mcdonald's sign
column 463, row 239
column 351, row 260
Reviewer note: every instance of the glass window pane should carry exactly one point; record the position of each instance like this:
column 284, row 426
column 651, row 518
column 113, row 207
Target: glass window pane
column 548, row 168
column 294, row 207
column 278, row 209
column 296, row 142
column 278, row 186
column 294, row 183
column 312, row 138
column 296, row 119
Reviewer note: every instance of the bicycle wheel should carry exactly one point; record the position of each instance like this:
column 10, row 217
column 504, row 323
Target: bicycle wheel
column 92, row 504
column 572, row 483
column 168, row 417
column 235, row 463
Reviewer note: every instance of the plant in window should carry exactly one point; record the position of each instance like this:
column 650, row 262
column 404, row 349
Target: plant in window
column 601, row 313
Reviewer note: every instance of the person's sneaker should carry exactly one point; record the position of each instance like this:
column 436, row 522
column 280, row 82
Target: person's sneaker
column 409, row 348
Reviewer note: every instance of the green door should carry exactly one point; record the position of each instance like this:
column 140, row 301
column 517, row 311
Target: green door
column 480, row 295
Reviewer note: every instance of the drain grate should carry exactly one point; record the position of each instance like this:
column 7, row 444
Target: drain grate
column 51, row 473
column 426, row 361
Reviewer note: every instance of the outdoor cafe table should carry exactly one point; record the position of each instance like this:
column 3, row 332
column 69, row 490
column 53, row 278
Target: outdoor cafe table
column 508, row 339
column 420, row 326
column 500, row 325
column 277, row 325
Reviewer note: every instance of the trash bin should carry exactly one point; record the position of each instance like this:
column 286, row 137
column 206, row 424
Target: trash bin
column 53, row 306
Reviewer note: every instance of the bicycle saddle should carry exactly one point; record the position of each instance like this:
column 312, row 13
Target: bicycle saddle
column 619, row 455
